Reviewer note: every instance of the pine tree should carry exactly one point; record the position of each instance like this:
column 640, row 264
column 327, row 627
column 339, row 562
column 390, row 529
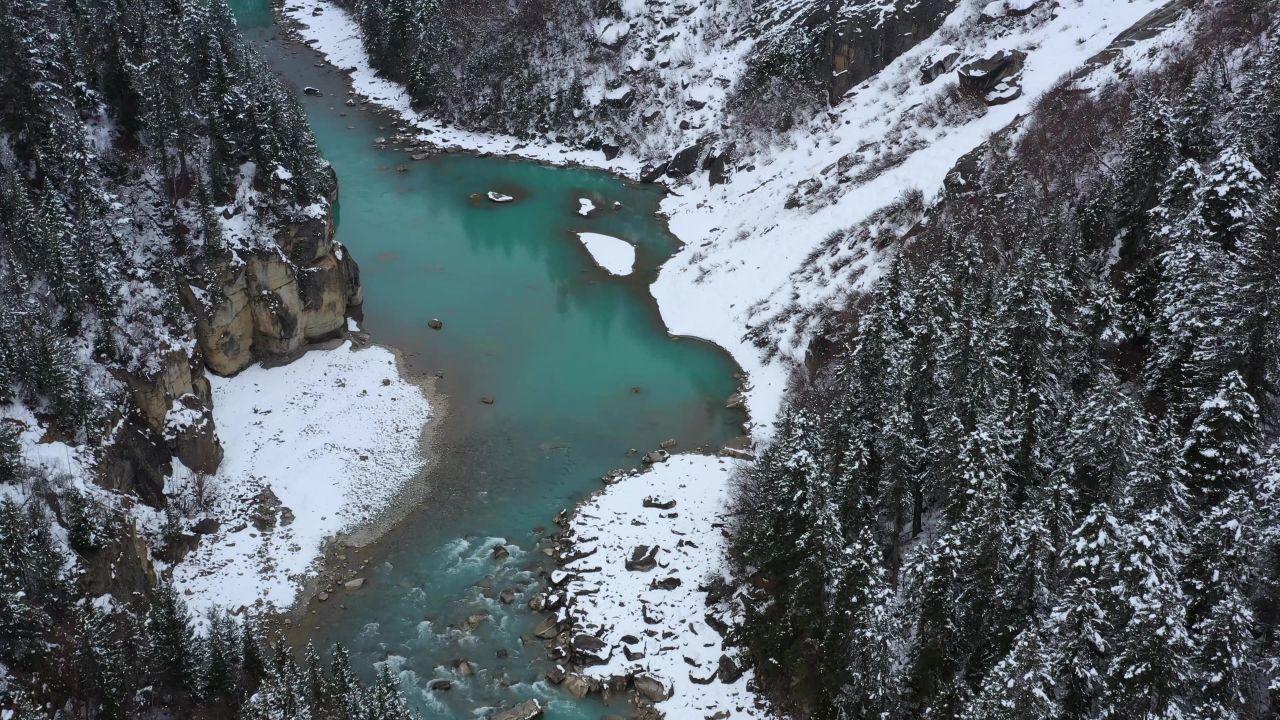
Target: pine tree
column 345, row 692
column 1222, row 449
column 1082, row 623
column 385, row 702
column 1021, row 686
column 1257, row 284
column 171, row 638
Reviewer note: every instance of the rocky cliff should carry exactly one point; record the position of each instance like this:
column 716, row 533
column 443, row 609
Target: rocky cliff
column 864, row 36
column 270, row 303
column 262, row 304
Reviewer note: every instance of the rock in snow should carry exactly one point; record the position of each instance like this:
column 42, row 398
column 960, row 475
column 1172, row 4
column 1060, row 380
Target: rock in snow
column 499, row 197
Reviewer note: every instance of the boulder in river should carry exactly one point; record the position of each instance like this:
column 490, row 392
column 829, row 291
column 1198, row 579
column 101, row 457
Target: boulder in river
column 435, row 323
column 313, row 91
column 354, row 584
column 547, row 629
column 527, row 710
column 498, row 197
column 655, row 457
column 577, row 685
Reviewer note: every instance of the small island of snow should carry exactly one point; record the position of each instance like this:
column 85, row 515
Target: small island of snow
column 616, row 256
column 585, row 206
column 499, row 197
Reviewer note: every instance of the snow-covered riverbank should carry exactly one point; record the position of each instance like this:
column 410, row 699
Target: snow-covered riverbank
column 335, row 435
column 653, row 611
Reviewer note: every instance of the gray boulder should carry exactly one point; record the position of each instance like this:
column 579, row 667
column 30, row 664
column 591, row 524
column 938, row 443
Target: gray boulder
column 643, row 558
column 527, row 710
column 590, row 650
column 997, row 78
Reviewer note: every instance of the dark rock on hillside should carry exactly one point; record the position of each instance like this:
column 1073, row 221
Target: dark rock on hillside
column 643, row 558
column 938, row 63
column 728, row 671
column 136, row 463
column 721, row 165
column 651, row 173
column 194, row 439
column 621, row 98
column 864, row 36
column 610, row 150
column 122, row 567
column 687, row 161
column 996, row 77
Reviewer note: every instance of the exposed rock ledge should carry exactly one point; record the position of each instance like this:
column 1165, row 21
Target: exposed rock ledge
column 259, row 305
column 269, row 305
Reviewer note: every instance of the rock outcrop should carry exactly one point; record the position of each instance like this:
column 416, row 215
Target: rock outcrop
column 863, row 36
column 997, row 78
column 261, row 304
column 269, row 304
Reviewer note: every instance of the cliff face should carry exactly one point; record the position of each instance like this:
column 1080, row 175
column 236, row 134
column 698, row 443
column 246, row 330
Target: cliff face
column 270, row 303
column 864, row 36
column 260, row 305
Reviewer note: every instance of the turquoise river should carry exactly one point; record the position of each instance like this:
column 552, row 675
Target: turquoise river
column 578, row 363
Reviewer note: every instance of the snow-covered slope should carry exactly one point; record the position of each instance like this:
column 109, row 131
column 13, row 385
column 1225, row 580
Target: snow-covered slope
column 748, row 277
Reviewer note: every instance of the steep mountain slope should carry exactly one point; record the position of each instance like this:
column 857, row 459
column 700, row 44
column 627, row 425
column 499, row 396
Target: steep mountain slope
column 163, row 213
column 1033, row 474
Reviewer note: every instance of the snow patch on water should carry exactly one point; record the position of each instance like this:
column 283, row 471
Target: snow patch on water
column 615, row 255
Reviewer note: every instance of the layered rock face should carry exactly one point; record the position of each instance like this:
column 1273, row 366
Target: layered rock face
column 263, row 304
column 864, row 36
column 269, row 304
